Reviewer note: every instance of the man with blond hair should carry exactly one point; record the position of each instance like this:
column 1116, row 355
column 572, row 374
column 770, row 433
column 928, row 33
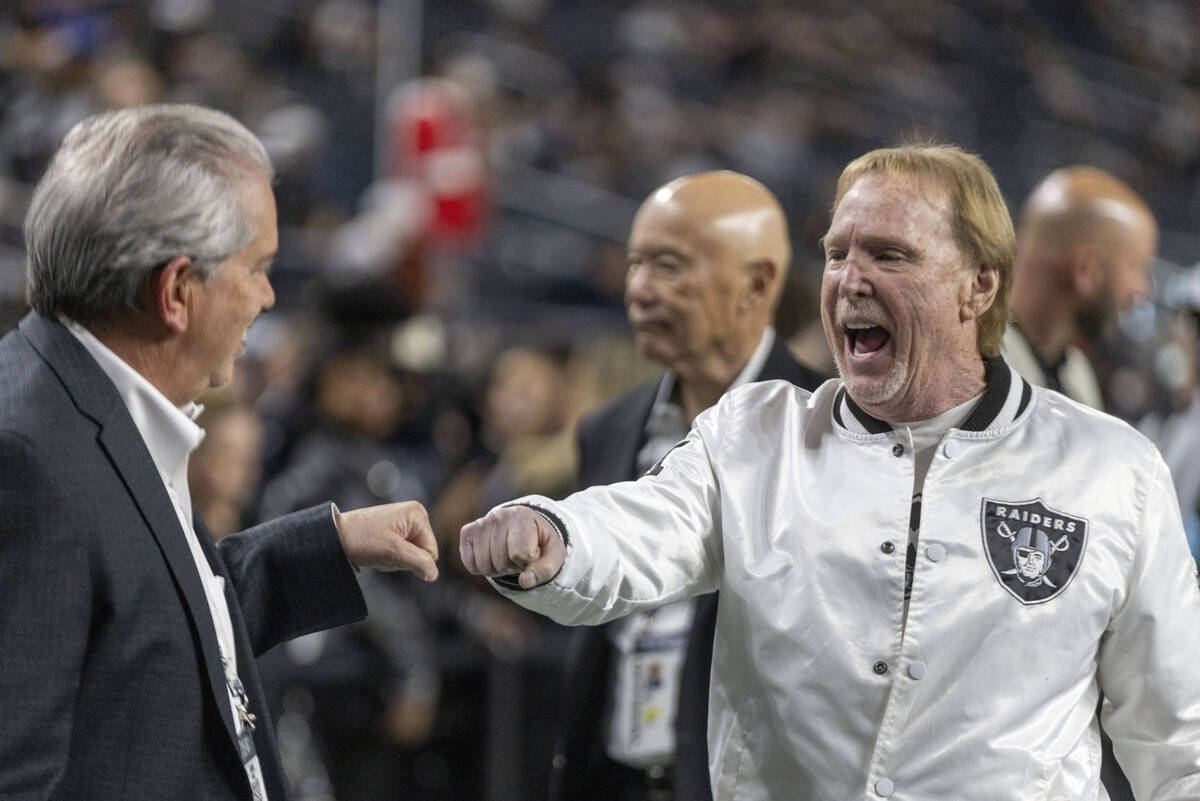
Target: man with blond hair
column 877, row 635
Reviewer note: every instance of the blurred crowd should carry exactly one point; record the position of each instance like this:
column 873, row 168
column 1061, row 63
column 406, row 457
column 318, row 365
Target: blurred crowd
column 456, row 180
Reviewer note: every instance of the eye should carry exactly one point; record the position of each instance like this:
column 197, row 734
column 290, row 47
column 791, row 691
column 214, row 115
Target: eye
column 667, row 266
column 661, row 265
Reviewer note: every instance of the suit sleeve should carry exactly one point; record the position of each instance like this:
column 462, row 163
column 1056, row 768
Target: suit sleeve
column 1149, row 657
column 635, row 545
column 292, row 577
column 45, row 617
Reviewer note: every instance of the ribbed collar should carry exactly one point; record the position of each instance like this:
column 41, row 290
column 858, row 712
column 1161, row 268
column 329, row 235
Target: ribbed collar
column 1006, row 396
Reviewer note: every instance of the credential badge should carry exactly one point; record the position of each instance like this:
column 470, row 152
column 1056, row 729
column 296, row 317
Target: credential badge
column 1034, row 550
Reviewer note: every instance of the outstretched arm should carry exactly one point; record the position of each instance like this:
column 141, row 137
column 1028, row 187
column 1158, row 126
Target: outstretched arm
column 293, row 575
column 607, row 551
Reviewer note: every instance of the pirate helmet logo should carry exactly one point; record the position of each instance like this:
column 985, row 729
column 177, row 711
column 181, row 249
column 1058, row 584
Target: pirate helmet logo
column 1034, row 550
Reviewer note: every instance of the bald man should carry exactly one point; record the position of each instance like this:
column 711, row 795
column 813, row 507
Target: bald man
column 708, row 255
column 1085, row 243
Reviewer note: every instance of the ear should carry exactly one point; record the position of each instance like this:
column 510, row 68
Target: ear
column 1085, row 270
column 980, row 293
column 758, row 281
column 172, row 293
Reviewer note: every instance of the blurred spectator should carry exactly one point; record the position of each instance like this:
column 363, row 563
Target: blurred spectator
column 1174, row 358
column 127, row 81
column 709, row 255
column 1085, row 242
column 525, row 423
column 374, row 686
column 348, row 454
column 224, row 470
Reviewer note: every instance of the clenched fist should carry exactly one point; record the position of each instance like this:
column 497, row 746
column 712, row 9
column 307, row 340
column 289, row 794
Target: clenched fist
column 394, row 536
column 513, row 539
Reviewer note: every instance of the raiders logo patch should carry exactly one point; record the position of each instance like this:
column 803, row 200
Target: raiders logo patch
column 1034, row 550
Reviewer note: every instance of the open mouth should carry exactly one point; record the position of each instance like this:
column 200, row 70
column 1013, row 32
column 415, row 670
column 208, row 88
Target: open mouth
column 865, row 339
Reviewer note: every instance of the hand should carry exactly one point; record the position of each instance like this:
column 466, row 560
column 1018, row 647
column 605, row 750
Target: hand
column 394, row 536
column 512, row 539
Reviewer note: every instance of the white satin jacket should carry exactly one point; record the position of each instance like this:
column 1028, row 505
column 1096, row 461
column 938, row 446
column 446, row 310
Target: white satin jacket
column 796, row 507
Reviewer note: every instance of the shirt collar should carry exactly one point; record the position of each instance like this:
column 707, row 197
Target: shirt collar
column 1006, row 396
column 170, row 432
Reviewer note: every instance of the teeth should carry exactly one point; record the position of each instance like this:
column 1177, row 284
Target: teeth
column 860, row 326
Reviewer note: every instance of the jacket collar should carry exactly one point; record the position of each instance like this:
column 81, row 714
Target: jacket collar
column 90, row 390
column 1004, row 399
column 97, row 398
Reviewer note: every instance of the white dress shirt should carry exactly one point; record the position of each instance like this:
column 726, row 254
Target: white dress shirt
column 171, row 434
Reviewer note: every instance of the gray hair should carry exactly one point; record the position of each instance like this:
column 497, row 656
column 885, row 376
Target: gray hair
column 128, row 191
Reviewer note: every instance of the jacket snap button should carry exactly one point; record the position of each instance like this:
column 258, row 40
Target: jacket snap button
column 897, row 449
column 884, row 787
column 880, row 667
column 887, row 547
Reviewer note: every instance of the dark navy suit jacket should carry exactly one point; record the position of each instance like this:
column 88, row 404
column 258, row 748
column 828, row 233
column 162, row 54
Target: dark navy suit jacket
column 609, row 441
column 111, row 684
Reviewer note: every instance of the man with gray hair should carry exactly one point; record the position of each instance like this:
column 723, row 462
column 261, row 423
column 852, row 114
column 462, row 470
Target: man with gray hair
column 129, row 636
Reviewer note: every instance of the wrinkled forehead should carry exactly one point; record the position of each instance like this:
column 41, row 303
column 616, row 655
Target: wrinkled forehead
column 662, row 220
column 884, row 203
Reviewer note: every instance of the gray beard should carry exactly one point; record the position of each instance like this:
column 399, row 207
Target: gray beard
column 877, row 393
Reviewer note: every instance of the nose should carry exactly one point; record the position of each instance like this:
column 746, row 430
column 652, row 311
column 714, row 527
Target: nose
column 268, row 293
column 640, row 287
column 856, row 277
